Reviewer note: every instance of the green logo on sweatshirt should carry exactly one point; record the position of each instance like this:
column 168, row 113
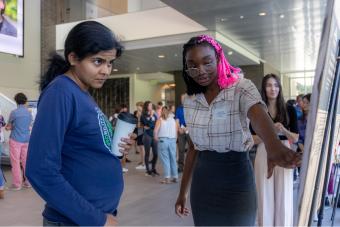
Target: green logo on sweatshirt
column 105, row 128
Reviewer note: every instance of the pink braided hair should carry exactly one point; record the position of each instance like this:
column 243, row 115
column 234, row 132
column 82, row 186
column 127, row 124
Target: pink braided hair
column 227, row 74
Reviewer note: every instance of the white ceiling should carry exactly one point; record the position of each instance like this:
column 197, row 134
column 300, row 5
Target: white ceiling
column 287, row 37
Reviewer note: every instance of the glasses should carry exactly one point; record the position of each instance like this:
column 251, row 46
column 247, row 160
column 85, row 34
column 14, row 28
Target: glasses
column 195, row 72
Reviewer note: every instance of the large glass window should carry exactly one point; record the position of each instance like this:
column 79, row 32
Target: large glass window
column 299, row 83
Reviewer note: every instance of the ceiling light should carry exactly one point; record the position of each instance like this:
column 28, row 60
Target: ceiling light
column 175, row 55
column 269, row 41
column 282, row 16
column 115, row 70
column 230, row 52
column 161, row 56
column 241, row 17
column 261, row 14
column 137, row 68
column 223, row 19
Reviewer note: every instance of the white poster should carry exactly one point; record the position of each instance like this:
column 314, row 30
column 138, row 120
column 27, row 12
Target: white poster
column 320, row 100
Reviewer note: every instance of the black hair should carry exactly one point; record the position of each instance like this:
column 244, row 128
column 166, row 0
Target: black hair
column 290, row 102
column 145, row 111
column 20, row 98
column 84, row 39
column 307, row 96
column 281, row 115
column 192, row 86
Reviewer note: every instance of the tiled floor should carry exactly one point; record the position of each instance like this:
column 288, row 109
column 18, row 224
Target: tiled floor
column 145, row 202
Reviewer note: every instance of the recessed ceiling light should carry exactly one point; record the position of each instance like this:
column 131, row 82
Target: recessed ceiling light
column 161, row 56
column 269, row 41
column 175, row 55
column 115, row 70
column 223, row 19
column 261, row 14
column 241, row 17
column 230, row 52
column 137, row 68
column 282, row 16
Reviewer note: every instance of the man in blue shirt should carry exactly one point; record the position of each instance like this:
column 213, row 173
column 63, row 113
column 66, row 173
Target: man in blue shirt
column 19, row 122
column 298, row 106
column 183, row 136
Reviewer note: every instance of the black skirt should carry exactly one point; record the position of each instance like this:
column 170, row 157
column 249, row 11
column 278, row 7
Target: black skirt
column 223, row 191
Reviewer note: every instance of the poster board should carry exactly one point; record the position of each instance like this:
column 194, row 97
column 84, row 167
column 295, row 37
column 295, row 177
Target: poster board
column 316, row 126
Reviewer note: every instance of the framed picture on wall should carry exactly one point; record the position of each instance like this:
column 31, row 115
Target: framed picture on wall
column 12, row 27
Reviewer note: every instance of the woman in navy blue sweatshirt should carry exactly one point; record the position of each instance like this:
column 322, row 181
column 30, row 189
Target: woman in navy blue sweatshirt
column 70, row 163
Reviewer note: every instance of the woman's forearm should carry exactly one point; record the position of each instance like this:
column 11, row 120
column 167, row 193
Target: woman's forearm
column 188, row 169
column 263, row 126
column 293, row 137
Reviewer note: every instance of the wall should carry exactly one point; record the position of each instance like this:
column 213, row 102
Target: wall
column 180, row 87
column 285, row 81
column 143, row 90
column 254, row 73
column 270, row 69
column 22, row 74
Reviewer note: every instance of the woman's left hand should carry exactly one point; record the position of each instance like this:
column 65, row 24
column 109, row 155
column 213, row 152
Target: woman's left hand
column 128, row 143
column 280, row 127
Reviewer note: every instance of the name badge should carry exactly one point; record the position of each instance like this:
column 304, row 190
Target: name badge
column 220, row 114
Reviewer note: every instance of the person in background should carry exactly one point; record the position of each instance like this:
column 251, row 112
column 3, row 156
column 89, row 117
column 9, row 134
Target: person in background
column 148, row 119
column 302, row 123
column 183, row 136
column 166, row 134
column 6, row 28
column 159, row 108
column 2, row 180
column 19, row 123
column 123, row 108
column 217, row 111
column 70, row 162
column 139, row 131
column 275, row 194
column 299, row 106
column 172, row 110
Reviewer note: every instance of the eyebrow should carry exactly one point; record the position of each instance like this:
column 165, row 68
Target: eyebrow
column 207, row 57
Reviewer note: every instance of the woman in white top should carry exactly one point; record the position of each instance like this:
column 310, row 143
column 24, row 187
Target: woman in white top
column 216, row 113
column 166, row 134
column 275, row 194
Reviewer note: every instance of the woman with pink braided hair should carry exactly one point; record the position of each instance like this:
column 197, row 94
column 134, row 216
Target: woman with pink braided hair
column 217, row 111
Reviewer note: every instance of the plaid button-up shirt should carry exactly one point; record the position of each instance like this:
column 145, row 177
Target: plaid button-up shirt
column 223, row 125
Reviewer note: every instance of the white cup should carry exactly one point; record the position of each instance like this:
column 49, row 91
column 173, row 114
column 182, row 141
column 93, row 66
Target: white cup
column 125, row 125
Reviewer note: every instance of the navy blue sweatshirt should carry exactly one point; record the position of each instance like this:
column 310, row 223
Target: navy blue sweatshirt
column 149, row 121
column 69, row 162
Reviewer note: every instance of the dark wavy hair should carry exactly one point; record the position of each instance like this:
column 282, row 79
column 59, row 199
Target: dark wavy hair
column 20, row 98
column 145, row 111
column 191, row 85
column 281, row 115
column 84, row 39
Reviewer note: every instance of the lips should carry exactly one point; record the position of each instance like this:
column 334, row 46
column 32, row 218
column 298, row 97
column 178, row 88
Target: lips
column 101, row 80
column 202, row 79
